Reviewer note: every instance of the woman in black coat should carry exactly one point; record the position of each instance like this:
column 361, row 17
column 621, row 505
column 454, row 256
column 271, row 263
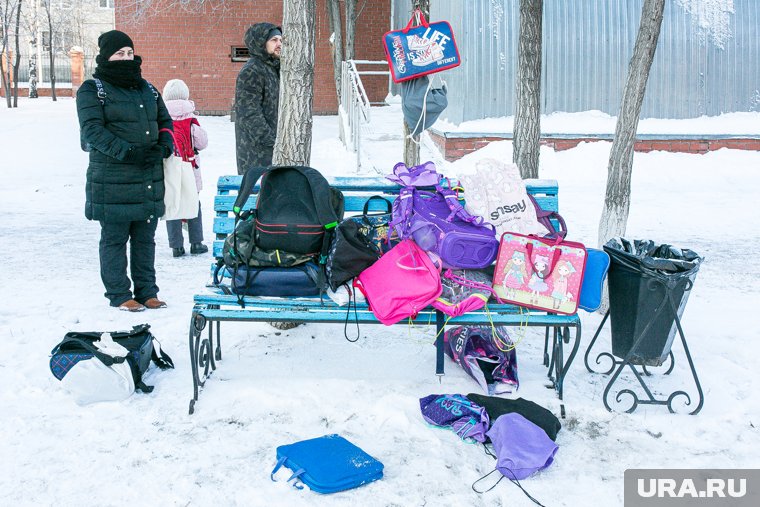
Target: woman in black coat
column 120, row 117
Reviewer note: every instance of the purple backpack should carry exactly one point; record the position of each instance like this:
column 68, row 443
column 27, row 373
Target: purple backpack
column 465, row 418
column 438, row 223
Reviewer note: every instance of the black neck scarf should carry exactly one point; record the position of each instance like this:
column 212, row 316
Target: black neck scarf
column 122, row 73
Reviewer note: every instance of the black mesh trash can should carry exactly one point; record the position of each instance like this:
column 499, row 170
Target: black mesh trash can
column 642, row 277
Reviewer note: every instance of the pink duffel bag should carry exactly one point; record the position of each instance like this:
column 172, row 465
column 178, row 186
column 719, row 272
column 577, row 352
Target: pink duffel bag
column 403, row 282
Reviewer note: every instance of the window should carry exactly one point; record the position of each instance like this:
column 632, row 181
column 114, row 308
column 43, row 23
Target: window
column 61, row 41
column 239, row 53
column 106, row 4
column 57, row 4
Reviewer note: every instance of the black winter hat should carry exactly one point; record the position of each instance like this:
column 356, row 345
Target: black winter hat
column 274, row 32
column 111, row 42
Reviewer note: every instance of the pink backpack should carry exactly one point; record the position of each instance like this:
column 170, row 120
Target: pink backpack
column 400, row 284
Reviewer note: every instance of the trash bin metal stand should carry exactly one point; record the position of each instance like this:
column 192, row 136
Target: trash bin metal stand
column 618, row 365
column 613, row 360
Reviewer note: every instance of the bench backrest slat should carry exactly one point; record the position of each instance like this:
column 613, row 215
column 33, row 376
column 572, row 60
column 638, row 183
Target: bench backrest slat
column 356, row 191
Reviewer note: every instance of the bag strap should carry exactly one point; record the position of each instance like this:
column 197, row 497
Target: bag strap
column 277, row 466
column 351, row 298
column 457, row 210
column 419, row 17
column 101, row 91
column 95, row 335
column 159, row 357
column 296, row 475
column 175, row 145
column 250, row 178
column 414, row 253
column 152, row 89
column 365, row 212
column 545, row 218
column 474, row 285
column 106, row 359
column 556, row 252
column 402, row 211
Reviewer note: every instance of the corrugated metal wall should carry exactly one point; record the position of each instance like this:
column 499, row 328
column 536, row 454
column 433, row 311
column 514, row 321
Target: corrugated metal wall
column 586, row 49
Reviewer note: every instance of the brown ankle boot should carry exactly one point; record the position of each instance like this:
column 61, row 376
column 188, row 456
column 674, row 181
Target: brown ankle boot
column 131, row 306
column 154, row 304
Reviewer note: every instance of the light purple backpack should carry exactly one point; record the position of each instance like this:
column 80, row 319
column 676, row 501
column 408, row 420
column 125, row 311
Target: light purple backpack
column 423, row 175
column 438, row 223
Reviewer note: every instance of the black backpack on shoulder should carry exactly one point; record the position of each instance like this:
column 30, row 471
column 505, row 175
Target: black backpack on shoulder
column 296, row 211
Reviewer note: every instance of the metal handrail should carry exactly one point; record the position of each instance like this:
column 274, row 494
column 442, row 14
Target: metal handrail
column 354, row 108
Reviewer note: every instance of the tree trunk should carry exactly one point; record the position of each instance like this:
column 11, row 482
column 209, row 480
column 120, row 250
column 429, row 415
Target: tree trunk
column 411, row 148
column 527, row 127
column 51, row 51
column 5, row 62
column 411, row 145
column 294, row 122
column 350, row 28
column 33, row 72
column 17, row 55
column 6, row 78
column 618, row 195
column 336, row 27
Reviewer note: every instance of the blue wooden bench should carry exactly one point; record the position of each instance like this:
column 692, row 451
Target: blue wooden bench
column 212, row 308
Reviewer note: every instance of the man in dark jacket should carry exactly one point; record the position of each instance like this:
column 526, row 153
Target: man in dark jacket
column 257, row 94
column 120, row 117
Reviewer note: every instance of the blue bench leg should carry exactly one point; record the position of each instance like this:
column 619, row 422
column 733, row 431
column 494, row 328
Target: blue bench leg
column 565, row 366
column 439, row 325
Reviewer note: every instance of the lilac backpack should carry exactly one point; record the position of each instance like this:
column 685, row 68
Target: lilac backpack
column 423, row 175
column 438, row 223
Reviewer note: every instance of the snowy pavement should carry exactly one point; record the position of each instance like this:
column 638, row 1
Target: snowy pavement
column 274, row 388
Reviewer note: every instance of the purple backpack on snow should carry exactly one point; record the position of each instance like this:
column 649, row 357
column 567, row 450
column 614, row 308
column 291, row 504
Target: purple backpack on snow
column 465, row 418
column 438, row 223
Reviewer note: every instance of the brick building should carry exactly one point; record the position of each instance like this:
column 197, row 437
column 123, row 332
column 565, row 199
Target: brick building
column 198, row 47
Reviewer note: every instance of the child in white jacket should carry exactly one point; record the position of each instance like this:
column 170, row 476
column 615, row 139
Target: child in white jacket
column 176, row 96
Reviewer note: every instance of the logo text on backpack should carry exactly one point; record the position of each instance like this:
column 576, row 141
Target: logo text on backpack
column 507, row 209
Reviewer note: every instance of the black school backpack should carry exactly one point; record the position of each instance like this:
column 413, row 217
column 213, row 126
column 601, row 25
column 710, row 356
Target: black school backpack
column 240, row 249
column 296, row 210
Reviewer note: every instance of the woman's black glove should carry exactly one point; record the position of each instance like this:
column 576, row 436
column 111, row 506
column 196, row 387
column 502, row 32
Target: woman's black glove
column 136, row 154
column 166, row 141
column 156, row 155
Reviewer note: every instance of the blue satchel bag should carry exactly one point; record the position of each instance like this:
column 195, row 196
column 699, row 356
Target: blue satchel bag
column 294, row 281
column 597, row 264
column 416, row 51
column 328, row 464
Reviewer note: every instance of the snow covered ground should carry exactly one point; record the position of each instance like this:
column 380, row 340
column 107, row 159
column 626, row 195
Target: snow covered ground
column 274, row 388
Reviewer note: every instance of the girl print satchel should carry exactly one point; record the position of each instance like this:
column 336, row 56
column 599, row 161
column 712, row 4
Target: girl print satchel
column 541, row 273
